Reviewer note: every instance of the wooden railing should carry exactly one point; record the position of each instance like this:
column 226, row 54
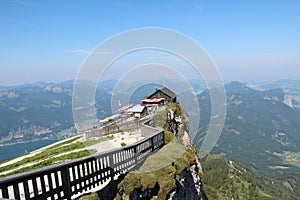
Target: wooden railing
column 68, row 179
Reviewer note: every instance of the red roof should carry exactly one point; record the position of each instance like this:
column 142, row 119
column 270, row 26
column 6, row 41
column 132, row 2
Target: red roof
column 154, row 100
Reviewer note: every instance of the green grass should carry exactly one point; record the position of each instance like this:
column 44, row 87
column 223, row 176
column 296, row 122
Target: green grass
column 57, row 149
column 45, row 154
column 52, row 161
column 64, row 143
column 49, row 148
column 169, row 136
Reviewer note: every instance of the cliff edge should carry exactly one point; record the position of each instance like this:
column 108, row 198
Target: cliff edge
column 173, row 172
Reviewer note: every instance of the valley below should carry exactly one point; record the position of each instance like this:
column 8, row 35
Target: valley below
column 257, row 155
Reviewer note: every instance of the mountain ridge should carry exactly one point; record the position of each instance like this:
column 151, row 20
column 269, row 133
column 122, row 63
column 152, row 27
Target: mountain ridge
column 41, row 110
column 258, row 127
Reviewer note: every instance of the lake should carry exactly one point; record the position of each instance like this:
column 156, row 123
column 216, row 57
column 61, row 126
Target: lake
column 11, row 151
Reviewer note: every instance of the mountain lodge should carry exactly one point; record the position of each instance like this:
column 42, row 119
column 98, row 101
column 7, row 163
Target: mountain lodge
column 160, row 96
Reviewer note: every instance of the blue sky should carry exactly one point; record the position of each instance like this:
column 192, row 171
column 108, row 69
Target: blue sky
column 248, row 40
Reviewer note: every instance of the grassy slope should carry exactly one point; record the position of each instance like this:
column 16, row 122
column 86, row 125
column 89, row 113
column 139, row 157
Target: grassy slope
column 48, row 155
column 223, row 180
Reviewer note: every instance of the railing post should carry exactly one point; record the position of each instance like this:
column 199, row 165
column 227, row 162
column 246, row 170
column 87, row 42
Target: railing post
column 152, row 143
column 5, row 192
column 135, row 154
column 66, row 182
column 16, row 191
column 163, row 138
column 112, row 166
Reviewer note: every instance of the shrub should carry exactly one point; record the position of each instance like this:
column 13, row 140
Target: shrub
column 123, row 144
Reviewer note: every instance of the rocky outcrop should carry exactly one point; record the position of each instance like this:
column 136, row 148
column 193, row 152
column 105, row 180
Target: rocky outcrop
column 288, row 100
column 188, row 186
column 177, row 123
column 149, row 193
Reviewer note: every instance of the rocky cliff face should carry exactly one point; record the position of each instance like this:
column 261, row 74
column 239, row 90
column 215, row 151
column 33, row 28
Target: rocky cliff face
column 177, row 123
column 188, row 183
column 188, row 186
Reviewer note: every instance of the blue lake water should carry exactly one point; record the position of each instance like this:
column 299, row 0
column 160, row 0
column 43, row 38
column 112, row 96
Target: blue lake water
column 11, row 151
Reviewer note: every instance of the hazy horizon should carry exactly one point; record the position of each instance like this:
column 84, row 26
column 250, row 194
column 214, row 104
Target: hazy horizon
column 112, row 79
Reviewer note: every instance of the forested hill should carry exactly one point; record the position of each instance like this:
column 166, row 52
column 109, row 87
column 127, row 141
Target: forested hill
column 259, row 148
column 261, row 128
column 225, row 179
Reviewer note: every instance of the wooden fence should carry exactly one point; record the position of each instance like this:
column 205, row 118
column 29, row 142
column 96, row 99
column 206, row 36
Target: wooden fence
column 68, row 179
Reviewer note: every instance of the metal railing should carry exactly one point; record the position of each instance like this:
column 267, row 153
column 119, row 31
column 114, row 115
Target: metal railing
column 62, row 181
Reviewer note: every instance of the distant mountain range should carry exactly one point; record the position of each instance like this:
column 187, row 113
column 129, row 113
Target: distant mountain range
column 262, row 128
column 42, row 110
column 288, row 85
column 261, row 132
column 291, row 87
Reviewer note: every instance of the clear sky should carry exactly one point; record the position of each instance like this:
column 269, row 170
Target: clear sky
column 48, row 40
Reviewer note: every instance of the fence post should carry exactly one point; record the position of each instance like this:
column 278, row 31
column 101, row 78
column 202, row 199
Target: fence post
column 5, row 192
column 66, row 182
column 112, row 166
column 163, row 137
column 152, row 143
column 135, row 154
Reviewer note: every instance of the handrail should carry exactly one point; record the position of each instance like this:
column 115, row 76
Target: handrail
column 64, row 180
